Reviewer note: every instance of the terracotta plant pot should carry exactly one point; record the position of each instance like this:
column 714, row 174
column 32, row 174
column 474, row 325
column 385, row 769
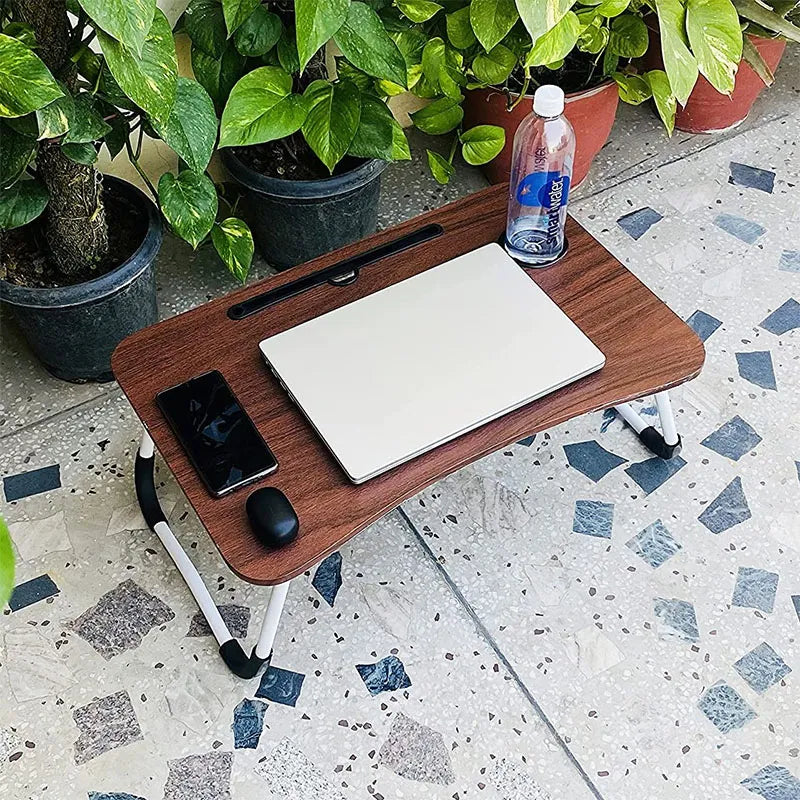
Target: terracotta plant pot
column 591, row 113
column 708, row 111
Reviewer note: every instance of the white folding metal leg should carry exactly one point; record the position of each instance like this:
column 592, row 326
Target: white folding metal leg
column 230, row 648
column 665, row 444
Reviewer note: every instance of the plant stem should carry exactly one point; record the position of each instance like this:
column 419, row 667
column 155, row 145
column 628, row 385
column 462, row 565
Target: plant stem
column 523, row 91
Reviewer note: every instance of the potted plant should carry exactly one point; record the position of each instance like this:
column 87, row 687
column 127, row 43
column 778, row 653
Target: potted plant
column 308, row 150
column 78, row 248
column 719, row 55
column 480, row 60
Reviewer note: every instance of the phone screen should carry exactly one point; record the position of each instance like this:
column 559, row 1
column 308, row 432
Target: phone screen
column 220, row 439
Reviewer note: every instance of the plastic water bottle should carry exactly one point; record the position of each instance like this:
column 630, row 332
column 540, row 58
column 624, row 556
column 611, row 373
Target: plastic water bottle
column 544, row 148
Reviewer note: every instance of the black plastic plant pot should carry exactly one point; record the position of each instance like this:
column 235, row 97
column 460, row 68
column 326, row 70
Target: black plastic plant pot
column 295, row 221
column 74, row 329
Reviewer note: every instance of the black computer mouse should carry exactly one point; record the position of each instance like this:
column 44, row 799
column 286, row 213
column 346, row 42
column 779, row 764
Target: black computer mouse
column 272, row 517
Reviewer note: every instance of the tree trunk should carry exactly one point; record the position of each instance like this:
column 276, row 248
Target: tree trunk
column 76, row 229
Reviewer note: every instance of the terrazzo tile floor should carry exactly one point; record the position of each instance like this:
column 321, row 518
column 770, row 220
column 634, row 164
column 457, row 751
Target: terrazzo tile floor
column 567, row 618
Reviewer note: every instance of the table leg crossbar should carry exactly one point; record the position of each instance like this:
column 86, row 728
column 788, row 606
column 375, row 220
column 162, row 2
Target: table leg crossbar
column 230, row 648
column 665, row 443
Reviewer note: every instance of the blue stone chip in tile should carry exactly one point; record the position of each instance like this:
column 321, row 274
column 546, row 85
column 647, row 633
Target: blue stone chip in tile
column 783, row 319
column 751, row 177
column 592, row 459
column 755, row 588
column 790, row 261
column 387, row 675
column 678, row 618
column 36, row 481
column 735, row 438
column 727, row 509
column 756, row 367
column 744, row 229
column 593, row 518
column 637, row 223
column 773, row 782
column 796, row 603
column 527, row 441
column 281, row 686
column 32, row 591
column 703, row 324
column 248, row 722
column 762, row 667
column 655, row 544
column 652, row 472
column 725, row 707
column 328, row 578
column 113, row 796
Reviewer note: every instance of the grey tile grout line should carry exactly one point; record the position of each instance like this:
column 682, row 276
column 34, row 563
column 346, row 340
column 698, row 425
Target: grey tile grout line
column 490, row 640
column 98, row 399
column 717, row 140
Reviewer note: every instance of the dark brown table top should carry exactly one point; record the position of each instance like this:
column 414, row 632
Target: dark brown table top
column 647, row 348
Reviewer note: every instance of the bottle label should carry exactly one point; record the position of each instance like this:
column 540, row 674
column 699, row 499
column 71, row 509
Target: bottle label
column 543, row 189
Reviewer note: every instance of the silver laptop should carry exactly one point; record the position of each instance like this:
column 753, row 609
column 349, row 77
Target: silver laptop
column 394, row 374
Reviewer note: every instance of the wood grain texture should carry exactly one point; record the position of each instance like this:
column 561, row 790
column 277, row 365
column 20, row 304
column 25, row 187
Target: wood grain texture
column 647, row 348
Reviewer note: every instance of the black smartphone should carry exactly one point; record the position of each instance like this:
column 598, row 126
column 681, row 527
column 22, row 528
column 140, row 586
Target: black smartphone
column 220, row 439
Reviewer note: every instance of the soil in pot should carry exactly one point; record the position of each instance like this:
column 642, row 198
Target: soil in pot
column 591, row 108
column 24, row 260
column 73, row 328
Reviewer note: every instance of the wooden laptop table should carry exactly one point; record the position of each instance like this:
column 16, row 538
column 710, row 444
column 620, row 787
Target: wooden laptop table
column 648, row 349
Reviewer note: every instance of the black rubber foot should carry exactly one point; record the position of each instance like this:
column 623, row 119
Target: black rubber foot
column 238, row 663
column 652, row 439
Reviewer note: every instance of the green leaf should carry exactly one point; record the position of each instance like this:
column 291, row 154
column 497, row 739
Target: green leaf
column 716, row 40
column 317, row 21
column 149, row 80
column 593, row 39
column 20, row 204
column 287, row 51
column 665, row 101
column 556, row 43
column 80, row 152
column 259, row 33
column 679, row 63
column 236, row 12
column 21, row 31
column 610, row 62
column 347, row 72
column 440, row 167
column 377, row 133
column 332, row 121
column 128, row 21
column 86, row 124
column 6, row 563
column 54, row 118
column 366, row 45
column 539, row 16
column 440, row 116
column 16, row 152
column 628, row 36
column 218, row 76
column 261, row 108
column 633, row 89
column 756, row 61
column 443, row 67
column 419, row 10
column 492, row 19
column 115, row 139
column 482, row 143
column 25, row 82
column 459, row 29
column 189, row 203
column 771, row 20
column 234, row 243
column 494, row 66
column 612, row 8
column 204, row 21
column 191, row 128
